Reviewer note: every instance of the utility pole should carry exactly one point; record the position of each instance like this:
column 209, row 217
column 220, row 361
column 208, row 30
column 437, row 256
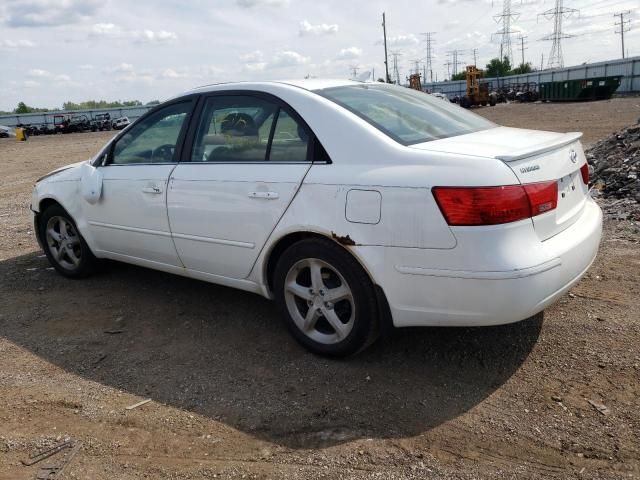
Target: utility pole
column 542, row 61
column 386, row 62
column 505, row 32
column 624, row 26
column 475, row 57
column 428, row 38
column 556, row 59
column 522, row 47
column 455, row 59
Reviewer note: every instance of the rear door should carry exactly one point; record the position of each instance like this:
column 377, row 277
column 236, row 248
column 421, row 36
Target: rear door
column 250, row 153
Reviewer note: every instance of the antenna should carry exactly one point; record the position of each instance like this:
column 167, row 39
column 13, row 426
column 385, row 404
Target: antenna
column 428, row 66
column 625, row 26
column 505, row 31
column 556, row 59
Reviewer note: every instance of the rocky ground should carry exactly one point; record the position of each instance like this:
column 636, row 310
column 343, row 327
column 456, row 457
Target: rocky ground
column 233, row 396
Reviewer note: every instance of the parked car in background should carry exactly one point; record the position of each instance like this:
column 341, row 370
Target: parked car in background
column 120, row 123
column 6, row 132
column 440, row 95
column 350, row 204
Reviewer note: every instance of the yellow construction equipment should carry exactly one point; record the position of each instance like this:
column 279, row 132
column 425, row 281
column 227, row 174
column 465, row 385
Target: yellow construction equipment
column 414, row 81
column 21, row 134
column 477, row 91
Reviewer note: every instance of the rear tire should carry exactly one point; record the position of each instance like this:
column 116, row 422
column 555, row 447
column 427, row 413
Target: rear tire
column 326, row 298
column 63, row 245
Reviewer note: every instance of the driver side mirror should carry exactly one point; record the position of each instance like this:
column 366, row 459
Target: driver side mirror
column 91, row 183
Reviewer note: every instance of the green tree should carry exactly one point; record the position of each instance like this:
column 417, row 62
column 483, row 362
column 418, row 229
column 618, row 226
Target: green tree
column 459, row 76
column 522, row 68
column 498, row 68
column 23, row 108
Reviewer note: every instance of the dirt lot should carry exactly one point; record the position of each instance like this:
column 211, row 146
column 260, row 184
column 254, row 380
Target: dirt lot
column 233, row 396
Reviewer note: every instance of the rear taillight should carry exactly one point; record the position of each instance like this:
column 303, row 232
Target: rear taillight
column 466, row 206
column 584, row 170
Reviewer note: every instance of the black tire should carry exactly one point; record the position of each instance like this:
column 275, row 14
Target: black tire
column 364, row 328
column 87, row 262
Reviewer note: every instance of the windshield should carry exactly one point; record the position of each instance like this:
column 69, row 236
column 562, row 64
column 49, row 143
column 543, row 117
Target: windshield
column 408, row 116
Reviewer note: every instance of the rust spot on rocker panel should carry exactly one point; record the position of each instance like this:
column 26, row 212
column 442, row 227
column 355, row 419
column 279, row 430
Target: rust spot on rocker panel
column 343, row 239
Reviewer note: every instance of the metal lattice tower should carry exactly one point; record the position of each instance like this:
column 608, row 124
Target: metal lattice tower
column 396, row 70
column 505, row 32
column 428, row 65
column 556, row 59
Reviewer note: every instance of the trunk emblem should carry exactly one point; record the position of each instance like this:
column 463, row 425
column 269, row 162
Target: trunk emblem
column 573, row 156
column 530, row 168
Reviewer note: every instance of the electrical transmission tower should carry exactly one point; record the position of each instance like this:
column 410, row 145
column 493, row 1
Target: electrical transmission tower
column 505, row 32
column 417, row 66
column 556, row 59
column 428, row 65
column 354, row 70
column 453, row 60
column 625, row 26
column 396, row 70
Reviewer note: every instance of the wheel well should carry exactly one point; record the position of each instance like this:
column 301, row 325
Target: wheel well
column 386, row 322
column 46, row 203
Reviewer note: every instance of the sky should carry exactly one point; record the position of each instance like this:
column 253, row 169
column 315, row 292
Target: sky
column 52, row 51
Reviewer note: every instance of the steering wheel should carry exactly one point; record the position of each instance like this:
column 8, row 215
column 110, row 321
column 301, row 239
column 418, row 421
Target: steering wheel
column 163, row 153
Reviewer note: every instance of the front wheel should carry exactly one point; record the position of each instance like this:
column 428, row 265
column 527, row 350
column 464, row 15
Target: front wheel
column 65, row 248
column 326, row 298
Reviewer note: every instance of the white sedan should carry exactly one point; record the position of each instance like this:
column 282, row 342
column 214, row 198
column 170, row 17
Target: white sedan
column 353, row 205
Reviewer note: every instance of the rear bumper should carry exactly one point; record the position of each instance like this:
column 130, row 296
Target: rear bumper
column 493, row 276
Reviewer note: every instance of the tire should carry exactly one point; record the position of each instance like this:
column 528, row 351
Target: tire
column 343, row 280
column 76, row 260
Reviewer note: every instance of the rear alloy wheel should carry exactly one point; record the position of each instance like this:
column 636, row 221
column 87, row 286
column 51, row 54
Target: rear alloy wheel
column 64, row 246
column 326, row 298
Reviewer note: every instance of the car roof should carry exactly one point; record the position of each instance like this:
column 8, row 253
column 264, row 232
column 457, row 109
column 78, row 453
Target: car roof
column 309, row 84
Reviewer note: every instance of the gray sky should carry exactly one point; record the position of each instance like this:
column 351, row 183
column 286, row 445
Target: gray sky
column 52, row 51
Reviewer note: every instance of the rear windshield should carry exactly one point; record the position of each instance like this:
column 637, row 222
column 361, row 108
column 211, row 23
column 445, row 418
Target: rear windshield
column 408, row 116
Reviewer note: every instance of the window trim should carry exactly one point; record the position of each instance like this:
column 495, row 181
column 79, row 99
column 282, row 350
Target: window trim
column 105, row 157
column 278, row 102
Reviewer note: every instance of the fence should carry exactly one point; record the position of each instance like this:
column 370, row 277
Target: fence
column 629, row 68
column 46, row 118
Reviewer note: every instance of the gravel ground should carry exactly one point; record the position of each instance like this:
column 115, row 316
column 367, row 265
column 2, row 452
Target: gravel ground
column 233, row 396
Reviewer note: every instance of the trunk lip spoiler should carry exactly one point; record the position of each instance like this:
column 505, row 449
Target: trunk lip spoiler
column 544, row 147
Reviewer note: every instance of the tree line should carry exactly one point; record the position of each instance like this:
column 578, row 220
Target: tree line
column 86, row 105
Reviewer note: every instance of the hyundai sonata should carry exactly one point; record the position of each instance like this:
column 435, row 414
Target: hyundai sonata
column 350, row 204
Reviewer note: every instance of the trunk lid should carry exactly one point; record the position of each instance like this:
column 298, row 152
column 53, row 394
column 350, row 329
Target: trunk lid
column 533, row 156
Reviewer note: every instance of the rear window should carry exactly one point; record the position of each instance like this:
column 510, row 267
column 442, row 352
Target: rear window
column 408, row 116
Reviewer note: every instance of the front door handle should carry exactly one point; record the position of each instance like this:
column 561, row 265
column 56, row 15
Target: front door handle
column 154, row 189
column 265, row 195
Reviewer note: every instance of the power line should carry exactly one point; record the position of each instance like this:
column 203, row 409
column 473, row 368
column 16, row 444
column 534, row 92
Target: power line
column 556, row 59
column 625, row 26
column 428, row 65
column 505, row 32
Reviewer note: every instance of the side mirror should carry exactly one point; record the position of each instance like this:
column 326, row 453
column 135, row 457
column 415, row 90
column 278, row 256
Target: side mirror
column 91, row 183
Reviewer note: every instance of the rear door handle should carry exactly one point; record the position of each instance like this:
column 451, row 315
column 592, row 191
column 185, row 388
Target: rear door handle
column 265, row 195
column 155, row 189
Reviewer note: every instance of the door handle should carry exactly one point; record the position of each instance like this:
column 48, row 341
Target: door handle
column 155, row 189
column 265, row 195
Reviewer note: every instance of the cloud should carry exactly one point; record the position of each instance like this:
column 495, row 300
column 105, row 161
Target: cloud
column 252, row 57
column 402, row 40
column 350, row 53
column 256, row 3
column 30, row 84
column 39, row 73
column 307, row 28
column 16, row 44
column 86, row 66
column 112, row 31
column 171, row 74
column 38, row 13
column 122, row 68
column 288, row 58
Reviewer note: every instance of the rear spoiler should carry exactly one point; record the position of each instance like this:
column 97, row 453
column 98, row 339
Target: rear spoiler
column 544, row 147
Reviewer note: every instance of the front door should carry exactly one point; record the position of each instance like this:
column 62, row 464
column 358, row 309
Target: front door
column 249, row 157
column 129, row 221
